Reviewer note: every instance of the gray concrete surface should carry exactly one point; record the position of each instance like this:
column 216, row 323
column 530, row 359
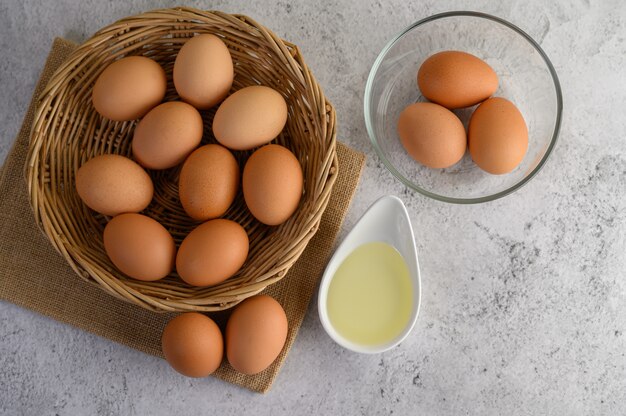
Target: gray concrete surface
column 524, row 306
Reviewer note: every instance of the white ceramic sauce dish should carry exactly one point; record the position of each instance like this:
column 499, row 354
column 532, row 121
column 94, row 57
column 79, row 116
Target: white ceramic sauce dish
column 386, row 221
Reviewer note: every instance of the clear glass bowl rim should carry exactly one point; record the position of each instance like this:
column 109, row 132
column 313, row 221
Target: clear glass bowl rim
column 408, row 183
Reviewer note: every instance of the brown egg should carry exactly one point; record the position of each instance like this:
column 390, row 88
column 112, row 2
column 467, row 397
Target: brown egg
column 212, row 252
column 193, row 344
column 113, row 184
column 166, row 135
column 203, row 71
column 432, row 135
column 456, row 79
column 250, row 117
column 272, row 184
column 208, row 182
column 129, row 88
column 255, row 334
column 498, row 136
column 139, row 247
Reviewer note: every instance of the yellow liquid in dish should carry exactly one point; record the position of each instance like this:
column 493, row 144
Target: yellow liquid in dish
column 370, row 297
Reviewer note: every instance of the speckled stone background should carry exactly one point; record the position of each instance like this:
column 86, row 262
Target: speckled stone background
column 524, row 305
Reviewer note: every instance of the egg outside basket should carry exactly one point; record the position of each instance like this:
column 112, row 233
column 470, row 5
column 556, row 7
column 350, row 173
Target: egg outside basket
column 67, row 132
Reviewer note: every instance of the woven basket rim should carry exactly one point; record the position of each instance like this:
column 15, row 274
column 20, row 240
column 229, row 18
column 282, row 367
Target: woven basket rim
column 84, row 262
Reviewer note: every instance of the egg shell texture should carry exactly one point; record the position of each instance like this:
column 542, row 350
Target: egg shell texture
column 250, row 117
column 498, row 136
column 272, row 184
column 456, row 79
column 139, row 246
column 432, row 135
column 212, row 252
column 113, row 184
column 208, row 182
column 255, row 334
column 167, row 135
column 129, row 88
column 193, row 344
column 203, row 71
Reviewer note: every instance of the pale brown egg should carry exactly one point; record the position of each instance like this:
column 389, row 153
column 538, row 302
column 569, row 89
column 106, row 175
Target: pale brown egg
column 432, row 135
column 272, row 184
column 114, row 184
column 456, row 79
column 129, row 88
column 203, row 71
column 139, row 247
column 498, row 136
column 255, row 334
column 212, row 252
column 250, row 117
column 193, row 344
column 208, row 182
column 167, row 135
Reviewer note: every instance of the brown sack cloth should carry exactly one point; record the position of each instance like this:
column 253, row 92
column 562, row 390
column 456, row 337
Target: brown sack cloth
column 35, row 276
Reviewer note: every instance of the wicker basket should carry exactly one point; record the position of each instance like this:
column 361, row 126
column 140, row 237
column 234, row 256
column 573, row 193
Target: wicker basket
column 68, row 131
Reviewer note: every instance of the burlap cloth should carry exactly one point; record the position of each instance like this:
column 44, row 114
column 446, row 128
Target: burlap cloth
column 35, row 276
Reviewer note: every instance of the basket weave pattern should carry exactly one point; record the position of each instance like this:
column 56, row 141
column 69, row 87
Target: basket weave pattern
column 68, row 131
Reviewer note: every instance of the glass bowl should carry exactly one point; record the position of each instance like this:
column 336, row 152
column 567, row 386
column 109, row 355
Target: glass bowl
column 527, row 78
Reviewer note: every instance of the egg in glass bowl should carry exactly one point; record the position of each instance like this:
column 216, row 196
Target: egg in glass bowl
column 526, row 78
